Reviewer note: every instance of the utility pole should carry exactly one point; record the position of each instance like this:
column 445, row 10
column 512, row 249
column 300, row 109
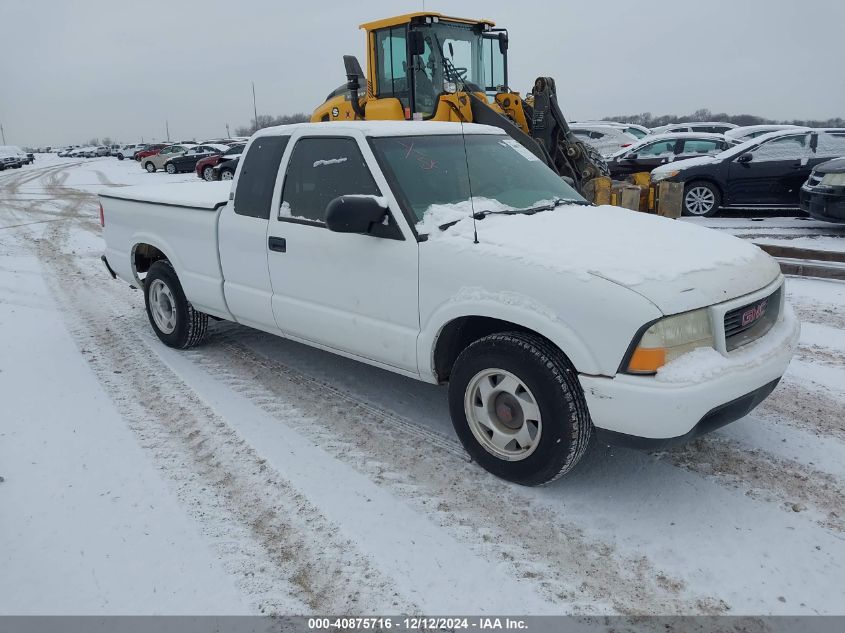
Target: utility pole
column 227, row 131
column 3, row 133
column 167, row 127
column 254, row 109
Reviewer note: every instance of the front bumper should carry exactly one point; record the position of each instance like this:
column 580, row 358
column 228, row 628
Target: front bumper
column 646, row 412
column 827, row 205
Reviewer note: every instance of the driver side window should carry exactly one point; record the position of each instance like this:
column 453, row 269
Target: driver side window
column 663, row 148
column 786, row 148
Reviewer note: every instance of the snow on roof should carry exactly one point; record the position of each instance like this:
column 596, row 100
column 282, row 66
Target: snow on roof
column 748, row 129
column 383, row 128
column 200, row 195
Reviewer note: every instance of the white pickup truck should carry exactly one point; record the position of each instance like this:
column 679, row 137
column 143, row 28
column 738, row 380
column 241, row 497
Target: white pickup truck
column 451, row 254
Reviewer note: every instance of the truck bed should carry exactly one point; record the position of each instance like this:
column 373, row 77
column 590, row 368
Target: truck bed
column 198, row 195
column 180, row 220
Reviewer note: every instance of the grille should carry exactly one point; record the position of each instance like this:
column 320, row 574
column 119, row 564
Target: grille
column 751, row 321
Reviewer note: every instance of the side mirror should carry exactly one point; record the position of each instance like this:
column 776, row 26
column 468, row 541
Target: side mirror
column 416, row 43
column 745, row 158
column 633, row 156
column 354, row 214
column 503, row 42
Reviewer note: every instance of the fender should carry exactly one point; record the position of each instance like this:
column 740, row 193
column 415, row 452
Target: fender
column 506, row 306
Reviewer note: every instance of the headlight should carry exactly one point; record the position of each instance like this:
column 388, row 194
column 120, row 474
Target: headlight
column 833, row 180
column 669, row 338
column 657, row 176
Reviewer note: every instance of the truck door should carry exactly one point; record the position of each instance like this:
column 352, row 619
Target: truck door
column 356, row 294
column 242, row 235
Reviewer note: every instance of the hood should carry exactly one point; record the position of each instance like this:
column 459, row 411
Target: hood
column 835, row 166
column 676, row 265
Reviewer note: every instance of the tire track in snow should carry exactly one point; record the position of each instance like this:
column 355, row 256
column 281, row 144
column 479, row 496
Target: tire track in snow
column 279, row 547
column 536, row 542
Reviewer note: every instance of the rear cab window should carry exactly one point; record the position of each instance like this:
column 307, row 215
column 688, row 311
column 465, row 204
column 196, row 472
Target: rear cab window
column 254, row 192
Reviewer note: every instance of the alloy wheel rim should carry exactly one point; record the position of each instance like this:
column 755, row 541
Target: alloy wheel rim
column 503, row 414
column 208, row 173
column 700, row 200
column 162, row 306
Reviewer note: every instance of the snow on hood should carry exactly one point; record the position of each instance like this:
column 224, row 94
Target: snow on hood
column 667, row 261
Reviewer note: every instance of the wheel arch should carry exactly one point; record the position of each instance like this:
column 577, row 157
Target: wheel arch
column 145, row 251
column 460, row 330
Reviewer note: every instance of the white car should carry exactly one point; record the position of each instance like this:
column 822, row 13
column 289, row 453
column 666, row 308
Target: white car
column 551, row 319
column 747, row 132
column 606, row 139
column 128, row 151
column 713, row 127
column 637, row 131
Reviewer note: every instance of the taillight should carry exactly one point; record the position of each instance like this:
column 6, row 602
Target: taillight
column 102, row 216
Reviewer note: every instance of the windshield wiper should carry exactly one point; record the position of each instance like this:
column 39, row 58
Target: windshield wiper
column 480, row 215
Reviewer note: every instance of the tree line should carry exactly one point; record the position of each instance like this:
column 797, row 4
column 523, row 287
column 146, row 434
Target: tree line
column 649, row 120
column 266, row 120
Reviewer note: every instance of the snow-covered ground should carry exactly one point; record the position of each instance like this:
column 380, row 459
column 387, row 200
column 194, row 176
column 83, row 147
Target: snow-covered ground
column 256, row 475
column 796, row 232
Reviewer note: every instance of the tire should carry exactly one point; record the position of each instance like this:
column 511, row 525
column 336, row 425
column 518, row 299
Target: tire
column 227, row 174
column 701, row 199
column 171, row 315
column 120, row 157
column 170, row 168
column 544, row 376
column 150, row 167
column 208, row 173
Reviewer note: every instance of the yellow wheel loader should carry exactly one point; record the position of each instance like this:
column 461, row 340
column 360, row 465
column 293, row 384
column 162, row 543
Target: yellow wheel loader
column 429, row 67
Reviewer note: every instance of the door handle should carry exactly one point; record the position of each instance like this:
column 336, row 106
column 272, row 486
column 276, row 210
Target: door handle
column 277, row 244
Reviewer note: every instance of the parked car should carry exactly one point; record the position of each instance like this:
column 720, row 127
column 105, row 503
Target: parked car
column 22, row 158
column 763, row 173
column 150, row 150
column 30, row 158
column 188, row 161
column 637, row 131
column 606, row 139
column 102, row 150
column 128, row 151
column 226, row 169
column 346, row 244
column 205, row 166
column 659, row 149
column 156, row 161
column 9, row 160
column 748, row 132
column 712, row 127
column 823, row 195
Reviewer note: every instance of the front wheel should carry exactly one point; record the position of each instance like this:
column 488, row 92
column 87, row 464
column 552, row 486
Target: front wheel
column 701, row 199
column 518, row 408
column 150, row 167
column 120, row 157
column 173, row 318
column 208, row 173
column 170, row 168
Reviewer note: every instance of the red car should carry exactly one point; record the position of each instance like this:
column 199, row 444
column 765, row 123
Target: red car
column 150, row 150
column 205, row 166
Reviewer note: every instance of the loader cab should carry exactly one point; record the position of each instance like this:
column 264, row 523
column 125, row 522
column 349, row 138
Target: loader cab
column 416, row 59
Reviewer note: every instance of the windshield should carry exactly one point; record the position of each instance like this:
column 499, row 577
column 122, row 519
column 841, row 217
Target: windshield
column 430, row 174
column 459, row 45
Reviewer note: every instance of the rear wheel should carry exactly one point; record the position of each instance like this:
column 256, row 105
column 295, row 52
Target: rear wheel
column 149, row 166
column 170, row 168
column 518, row 408
column 173, row 318
column 701, row 199
column 227, row 174
column 120, row 157
column 208, row 173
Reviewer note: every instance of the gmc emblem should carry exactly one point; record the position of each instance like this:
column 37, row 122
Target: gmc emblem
column 752, row 314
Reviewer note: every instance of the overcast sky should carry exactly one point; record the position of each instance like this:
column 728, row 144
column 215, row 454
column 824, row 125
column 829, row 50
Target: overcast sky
column 74, row 69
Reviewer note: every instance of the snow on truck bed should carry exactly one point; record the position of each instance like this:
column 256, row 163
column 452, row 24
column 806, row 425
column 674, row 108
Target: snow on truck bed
column 201, row 195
